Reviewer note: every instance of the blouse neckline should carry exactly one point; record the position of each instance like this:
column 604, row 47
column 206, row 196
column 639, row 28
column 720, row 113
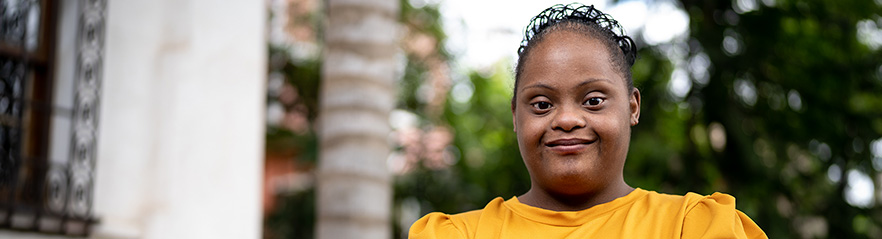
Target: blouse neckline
column 571, row 218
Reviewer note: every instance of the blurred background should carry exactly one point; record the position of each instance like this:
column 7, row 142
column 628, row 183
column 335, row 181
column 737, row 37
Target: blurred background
column 352, row 119
column 776, row 102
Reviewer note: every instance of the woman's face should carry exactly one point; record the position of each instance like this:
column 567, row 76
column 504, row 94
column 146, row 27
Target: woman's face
column 573, row 115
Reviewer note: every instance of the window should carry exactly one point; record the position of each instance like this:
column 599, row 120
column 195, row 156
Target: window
column 48, row 113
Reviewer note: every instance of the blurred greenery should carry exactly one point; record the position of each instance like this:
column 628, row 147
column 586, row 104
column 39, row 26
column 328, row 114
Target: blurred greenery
column 294, row 212
column 488, row 161
column 813, row 82
column 795, row 93
column 294, row 216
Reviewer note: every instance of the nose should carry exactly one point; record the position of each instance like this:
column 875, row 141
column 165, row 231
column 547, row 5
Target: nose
column 568, row 118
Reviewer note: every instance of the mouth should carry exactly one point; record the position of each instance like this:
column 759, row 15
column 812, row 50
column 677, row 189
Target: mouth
column 568, row 146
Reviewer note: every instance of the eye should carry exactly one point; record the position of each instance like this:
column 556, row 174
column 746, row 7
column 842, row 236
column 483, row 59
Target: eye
column 594, row 101
column 542, row 105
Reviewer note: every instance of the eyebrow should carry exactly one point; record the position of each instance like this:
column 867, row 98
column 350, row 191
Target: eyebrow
column 588, row 81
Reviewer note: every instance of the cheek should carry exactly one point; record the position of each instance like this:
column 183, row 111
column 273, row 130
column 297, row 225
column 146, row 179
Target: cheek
column 615, row 126
column 529, row 129
column 617, row 131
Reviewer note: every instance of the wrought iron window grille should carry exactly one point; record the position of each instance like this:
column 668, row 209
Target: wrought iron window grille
column 39, row 193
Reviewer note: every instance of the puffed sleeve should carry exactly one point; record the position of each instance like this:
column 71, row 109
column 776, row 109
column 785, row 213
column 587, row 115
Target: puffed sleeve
column 435, row 225
column 715, row 216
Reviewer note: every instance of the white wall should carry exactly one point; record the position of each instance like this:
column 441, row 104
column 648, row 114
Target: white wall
column 180, row 150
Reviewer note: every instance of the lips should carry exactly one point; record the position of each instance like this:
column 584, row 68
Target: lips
column 568, row 146
column 565, row 142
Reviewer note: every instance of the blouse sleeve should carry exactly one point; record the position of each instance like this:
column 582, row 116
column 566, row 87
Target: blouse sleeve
column 435, row 225
column 715, row 216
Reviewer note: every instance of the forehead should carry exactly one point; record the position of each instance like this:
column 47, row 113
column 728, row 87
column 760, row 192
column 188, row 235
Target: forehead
column 565, row 54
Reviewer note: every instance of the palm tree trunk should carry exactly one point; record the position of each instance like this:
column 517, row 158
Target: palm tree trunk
column 357, row 94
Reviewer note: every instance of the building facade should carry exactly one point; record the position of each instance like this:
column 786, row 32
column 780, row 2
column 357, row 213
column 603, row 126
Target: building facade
column 137, row 118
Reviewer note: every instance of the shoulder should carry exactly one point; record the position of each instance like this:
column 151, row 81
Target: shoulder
column 669, row 204
column 436, row 225
column 440, row 225
column 715, row 216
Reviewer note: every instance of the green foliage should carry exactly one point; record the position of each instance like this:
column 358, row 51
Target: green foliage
column 426, row 20
column 489, row 163
column 485, row 137
column 294, row 216
column 414, row 74
column 305, row 77
column 303, row 145
column 816, row 101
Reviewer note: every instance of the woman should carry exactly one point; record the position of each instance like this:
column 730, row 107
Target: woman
column 573, row 107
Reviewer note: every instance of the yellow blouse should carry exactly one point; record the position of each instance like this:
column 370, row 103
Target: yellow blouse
column 640, row 214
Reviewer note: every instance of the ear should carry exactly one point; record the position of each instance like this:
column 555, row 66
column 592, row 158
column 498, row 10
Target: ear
column 514, row 120
column 634, row 104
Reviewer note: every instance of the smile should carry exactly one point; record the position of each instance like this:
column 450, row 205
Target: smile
column 568, row 146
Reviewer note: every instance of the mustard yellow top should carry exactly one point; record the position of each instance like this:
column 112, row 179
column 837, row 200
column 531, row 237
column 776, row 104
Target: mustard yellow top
column 640, row 214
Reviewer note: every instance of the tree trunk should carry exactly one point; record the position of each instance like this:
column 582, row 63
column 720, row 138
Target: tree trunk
column 357, row 94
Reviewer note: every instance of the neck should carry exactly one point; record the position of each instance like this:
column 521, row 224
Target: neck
column 574, row 202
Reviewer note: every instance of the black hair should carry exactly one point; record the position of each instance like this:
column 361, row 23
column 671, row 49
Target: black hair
column 582, row 19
